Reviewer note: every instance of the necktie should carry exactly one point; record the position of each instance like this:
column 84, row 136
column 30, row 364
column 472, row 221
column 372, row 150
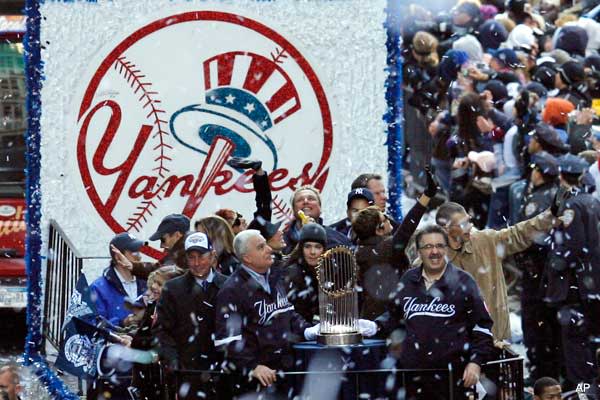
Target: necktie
column 204, row 286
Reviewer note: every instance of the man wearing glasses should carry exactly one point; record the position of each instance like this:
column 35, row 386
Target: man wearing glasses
column 481, row 254
column 445, row 320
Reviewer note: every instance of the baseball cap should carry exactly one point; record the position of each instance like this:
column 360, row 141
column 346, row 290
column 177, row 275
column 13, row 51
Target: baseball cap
column 197, row 241
column 360, row 193
column 571, row 72
column 126, row 241
column 508, row 57
column 170, row 224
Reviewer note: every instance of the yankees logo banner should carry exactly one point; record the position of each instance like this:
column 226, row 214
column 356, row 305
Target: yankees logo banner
column 144, row 102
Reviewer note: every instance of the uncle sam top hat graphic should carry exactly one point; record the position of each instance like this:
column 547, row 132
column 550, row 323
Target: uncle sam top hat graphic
column 246, row 95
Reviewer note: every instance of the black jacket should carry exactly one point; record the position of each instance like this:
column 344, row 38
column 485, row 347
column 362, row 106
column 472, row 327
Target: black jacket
column 255, row 327
column 448, row 323
column 533, row 260
column 186, row 322
column 382, row 261
column 573, row 271
column 303, row 289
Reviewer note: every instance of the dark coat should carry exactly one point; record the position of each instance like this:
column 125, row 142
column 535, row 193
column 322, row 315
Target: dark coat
column 447, row 324
column 303, row 289
column 255, row 327
column 382, row 261
column 146, row 377
column 186, row 322
column 228, row 263
column 573, row 271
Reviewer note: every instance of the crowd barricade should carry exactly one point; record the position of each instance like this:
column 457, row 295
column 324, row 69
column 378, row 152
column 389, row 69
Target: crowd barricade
column 503, row 378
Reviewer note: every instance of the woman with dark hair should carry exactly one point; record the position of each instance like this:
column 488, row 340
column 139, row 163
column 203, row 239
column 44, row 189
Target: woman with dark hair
column 300, row 272
column 470, row 138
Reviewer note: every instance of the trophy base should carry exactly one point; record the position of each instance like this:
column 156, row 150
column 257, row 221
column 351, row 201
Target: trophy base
column 339, row 339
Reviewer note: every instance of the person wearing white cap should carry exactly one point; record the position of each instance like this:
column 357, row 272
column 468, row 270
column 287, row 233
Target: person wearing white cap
column 186, row 319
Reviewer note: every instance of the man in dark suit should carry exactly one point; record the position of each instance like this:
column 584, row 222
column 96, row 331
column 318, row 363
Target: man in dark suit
column 186, row 321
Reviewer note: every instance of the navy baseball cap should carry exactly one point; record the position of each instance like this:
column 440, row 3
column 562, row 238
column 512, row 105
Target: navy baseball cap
column 360, row 193
column 197, row 241
column 170, row 224
column 546, row 162
column 571, row 164
column 507, row 57
column 126, row 241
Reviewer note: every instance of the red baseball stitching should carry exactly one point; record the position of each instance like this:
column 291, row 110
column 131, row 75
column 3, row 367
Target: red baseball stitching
column 134, row 78
column 282, row 211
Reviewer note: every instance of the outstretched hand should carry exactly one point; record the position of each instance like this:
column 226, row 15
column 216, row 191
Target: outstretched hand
column 432, row 186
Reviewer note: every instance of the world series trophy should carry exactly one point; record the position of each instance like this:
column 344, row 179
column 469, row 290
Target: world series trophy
column 338, row 302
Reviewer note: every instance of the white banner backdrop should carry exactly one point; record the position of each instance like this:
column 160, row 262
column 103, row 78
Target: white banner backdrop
column 144, row 101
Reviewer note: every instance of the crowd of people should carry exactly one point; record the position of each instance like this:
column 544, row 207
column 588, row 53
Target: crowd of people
column 504, row 92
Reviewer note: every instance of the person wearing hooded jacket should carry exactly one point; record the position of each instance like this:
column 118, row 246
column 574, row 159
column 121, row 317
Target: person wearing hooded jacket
column 380, row 256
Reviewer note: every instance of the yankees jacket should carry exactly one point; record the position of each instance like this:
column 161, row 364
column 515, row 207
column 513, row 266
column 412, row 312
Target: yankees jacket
column 255, row 327
column 447, row 324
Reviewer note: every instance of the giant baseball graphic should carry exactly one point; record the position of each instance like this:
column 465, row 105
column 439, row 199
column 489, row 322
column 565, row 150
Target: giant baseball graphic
column 157, row 122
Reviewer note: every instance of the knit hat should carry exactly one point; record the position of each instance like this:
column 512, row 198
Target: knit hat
column 491, row 34
column 571, row 73
column 470, row 45
column 545, row 76
column 572, row 39
column 451, row 63
column 313, row 233
column 556, row 111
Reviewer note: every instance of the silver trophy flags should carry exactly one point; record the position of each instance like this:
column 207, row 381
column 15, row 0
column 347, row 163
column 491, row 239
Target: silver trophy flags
column 338, row 302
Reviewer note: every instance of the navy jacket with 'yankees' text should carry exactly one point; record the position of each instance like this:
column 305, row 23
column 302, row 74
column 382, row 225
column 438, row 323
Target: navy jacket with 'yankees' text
column 447, row 324
column 256, row 327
